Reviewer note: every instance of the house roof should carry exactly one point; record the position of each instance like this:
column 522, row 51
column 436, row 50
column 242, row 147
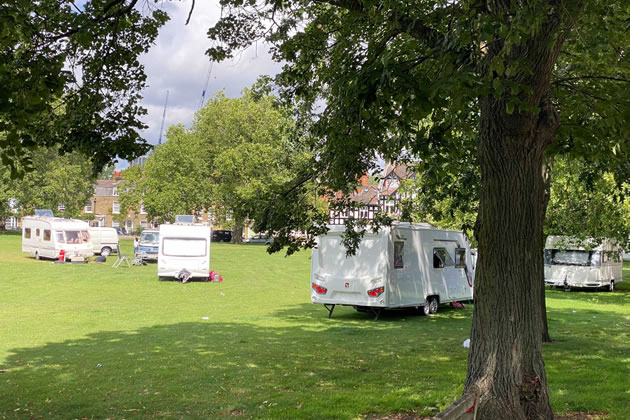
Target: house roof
column 104, row 187
column 368, row 195
column 401, row 170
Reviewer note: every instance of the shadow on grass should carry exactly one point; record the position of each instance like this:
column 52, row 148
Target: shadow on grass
column 587, row 364
column 316, row 313
column 208, row 369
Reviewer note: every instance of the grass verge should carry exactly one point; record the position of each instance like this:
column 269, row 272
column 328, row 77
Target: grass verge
column 82, row 341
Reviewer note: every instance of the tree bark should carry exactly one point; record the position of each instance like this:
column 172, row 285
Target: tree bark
column 237, row 230
column 505, row 363
column 547, row 171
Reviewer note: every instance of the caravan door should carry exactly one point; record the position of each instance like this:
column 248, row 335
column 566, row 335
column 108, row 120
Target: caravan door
column 407, row 285
column 449, row 262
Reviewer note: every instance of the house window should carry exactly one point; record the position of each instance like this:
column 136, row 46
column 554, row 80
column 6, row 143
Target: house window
column 142, row 209
column 228, row 216
column 61, row 208
column 441, row 258
column 27, row 233
column 115, row 223
column 116, row 208
column 12, row 222
column 460, row 257
column 144, row 225
column 398, row 254
column 115, row 191
column 88, row 208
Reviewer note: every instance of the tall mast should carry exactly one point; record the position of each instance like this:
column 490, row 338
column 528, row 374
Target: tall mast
column 163, row 118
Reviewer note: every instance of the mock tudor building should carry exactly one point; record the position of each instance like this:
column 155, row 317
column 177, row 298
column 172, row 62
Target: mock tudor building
column 370, row 199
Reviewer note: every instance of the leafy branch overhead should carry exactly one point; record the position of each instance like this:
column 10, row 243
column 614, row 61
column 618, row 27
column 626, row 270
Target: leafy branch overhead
column 383, row 71
column 70, row 76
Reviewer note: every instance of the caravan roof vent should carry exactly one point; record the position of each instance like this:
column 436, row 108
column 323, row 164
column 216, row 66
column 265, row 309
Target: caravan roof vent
column 185, row 219
column 44, row 212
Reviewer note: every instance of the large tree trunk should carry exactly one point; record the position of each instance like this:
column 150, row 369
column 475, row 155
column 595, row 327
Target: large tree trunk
column 237, row 230
column 505, row 364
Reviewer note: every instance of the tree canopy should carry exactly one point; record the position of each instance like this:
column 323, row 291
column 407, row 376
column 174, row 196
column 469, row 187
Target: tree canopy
column 56, row 179
column 70, row 77
column 236, row 151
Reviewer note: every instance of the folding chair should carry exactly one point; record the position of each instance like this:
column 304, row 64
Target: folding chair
column 122, row 259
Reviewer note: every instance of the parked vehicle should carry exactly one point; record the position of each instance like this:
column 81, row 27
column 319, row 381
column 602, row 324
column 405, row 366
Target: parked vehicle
column 407, row 265
column 148, row 245
column 47, row 237
column 120, row 231
column 570, row 262
column 184, row 251
column 104, row 240
column 221, row 236
column 260, row 238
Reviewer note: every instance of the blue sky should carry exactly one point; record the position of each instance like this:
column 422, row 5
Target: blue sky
column 177, row 63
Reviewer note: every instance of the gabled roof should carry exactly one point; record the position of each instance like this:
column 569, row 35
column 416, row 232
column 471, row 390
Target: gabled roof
column 400, row 170
column 367, row 196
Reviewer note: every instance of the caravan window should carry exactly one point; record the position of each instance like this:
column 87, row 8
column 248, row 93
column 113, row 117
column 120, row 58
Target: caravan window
column 27, row 233
column 59, row 238
column 72, row 237
column 398, row 254
column 37, row 233
column 441, row 258
column 460, row 257
column 85, row 236
column 46, row 235
column 576, row 257
column 184, row 247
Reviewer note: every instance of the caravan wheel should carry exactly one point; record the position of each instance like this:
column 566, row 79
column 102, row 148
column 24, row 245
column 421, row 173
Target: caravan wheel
column 37, row 257
column 433, row 305
column 425, row 309
column 106, row 251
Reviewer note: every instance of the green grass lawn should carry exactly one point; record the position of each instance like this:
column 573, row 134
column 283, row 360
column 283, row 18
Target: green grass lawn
column 90, row 341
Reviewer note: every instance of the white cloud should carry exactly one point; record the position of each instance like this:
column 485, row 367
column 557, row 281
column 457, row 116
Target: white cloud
column 177, row 63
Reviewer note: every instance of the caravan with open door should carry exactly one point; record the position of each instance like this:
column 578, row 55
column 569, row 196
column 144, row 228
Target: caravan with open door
column 407, row 265
column 570, row 262
column 47, row 237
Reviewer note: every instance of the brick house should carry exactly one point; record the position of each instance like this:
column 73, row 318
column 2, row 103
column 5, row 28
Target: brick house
column 104, row 205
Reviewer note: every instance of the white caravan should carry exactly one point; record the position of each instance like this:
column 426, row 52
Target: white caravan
column 104, row 240
column 46, row 237
column 573, row 263
column 184, row 251
column 407, row 265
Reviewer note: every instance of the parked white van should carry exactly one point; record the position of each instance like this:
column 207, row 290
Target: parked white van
column 148, row 245
column 184, row 251
column 570, row 262
column 104, row 240
column 46, row 237
column 407, row 265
